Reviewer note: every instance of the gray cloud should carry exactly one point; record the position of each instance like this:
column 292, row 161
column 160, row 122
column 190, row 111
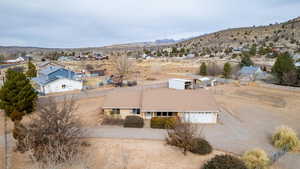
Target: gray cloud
column 77, row 23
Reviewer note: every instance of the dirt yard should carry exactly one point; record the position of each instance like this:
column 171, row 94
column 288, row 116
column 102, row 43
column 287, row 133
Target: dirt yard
column 132, row 154
column 275, row 100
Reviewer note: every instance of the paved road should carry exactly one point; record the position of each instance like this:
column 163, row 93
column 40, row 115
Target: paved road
column 125, row 133
column 99, row 93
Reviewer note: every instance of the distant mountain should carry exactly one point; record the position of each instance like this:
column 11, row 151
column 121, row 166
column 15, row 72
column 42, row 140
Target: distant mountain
column 284, row 35
column 164, row 41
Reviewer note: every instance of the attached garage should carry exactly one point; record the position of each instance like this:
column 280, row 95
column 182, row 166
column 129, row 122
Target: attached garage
column 200, row 117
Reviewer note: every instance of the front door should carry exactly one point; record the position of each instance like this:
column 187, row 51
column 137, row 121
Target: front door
column 148, row 115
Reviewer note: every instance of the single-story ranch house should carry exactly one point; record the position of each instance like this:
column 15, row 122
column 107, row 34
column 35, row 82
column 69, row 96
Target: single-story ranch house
column 195, row 106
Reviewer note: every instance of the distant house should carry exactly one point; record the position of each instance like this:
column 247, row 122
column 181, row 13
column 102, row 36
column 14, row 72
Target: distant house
column 296, row 57
column 297, row 64
column 54, row 79
column 250, row 73
column 65, row 59
column 195, row 106
column 17, row 60
column 191, row 55
column 45, row 64
column 96, row 72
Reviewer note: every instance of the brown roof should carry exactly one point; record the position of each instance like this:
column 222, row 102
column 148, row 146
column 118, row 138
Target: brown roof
column 163, row 100
column 122, row 99
column 172, row 100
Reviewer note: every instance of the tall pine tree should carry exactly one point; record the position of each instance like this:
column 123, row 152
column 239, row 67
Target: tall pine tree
column 31, row 72
column 17, row 96
column 227, row 70
column 203, row 69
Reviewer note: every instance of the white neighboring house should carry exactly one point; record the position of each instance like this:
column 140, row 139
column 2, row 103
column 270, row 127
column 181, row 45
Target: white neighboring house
column 54, row 79
column 60, row 85
column 180, row 84
column 19, row 59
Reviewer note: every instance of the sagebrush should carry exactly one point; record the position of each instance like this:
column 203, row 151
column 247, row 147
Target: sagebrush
column 256, row 158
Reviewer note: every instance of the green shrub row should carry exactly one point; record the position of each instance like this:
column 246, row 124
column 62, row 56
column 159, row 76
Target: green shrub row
column 163, row 122
column 134, row 122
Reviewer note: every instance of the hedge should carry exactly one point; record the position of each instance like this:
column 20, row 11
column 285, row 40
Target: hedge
column 224, row 162
column 134, row 122
column 163, row 122
column 201, row 146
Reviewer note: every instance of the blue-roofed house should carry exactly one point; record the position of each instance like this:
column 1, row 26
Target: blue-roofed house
column 250, row 73
column 296, row 57
column 54, row 79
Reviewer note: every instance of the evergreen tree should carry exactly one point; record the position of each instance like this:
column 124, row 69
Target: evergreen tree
column 253, row 50
column 17, row 96
column 227, row 70
column 284, row 65
column 31, row 72
column 246, row 61
column 203, row 69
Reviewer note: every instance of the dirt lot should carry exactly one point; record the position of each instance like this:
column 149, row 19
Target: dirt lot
column 274, row 107
column 132, row 154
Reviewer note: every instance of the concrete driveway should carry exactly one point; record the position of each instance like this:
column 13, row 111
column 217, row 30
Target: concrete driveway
column 235, row 134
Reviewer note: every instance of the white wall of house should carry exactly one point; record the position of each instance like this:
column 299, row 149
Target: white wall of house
column 200, row 117
column 62, row 85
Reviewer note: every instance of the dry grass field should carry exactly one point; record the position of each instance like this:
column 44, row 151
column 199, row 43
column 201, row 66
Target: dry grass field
column 131, row 154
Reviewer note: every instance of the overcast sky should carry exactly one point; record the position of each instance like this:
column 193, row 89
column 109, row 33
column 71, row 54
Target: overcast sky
column 93, row 23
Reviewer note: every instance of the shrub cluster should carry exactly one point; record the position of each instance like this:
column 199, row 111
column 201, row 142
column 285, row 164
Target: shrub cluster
column 163, row 122
column 256, row 158
column 224, row 162
column 285, row 138
column 200, row 146
column 184, row 136
column 134, row 122
column 108, row 120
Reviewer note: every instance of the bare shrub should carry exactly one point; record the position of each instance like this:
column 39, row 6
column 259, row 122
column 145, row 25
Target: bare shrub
column 182, row 135
column 79, row 161
column 285, row 138
column 53, row 135
column 256, row 158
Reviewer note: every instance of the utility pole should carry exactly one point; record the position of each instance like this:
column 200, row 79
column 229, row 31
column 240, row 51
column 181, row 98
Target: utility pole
column 5, row 143
column 5, row 138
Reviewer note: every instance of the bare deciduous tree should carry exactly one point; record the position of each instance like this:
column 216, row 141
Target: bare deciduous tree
column 53, row 135
column 182, row 135
column 122, row 66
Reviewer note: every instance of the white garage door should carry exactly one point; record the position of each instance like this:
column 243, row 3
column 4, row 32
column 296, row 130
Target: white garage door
column 200, row 117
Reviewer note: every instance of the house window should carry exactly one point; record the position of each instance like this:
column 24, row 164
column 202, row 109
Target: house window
column 63, row 86
column 158, row 114
column 169, row 113
column 115, row 111
column 165, row 114
column 136, row 111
